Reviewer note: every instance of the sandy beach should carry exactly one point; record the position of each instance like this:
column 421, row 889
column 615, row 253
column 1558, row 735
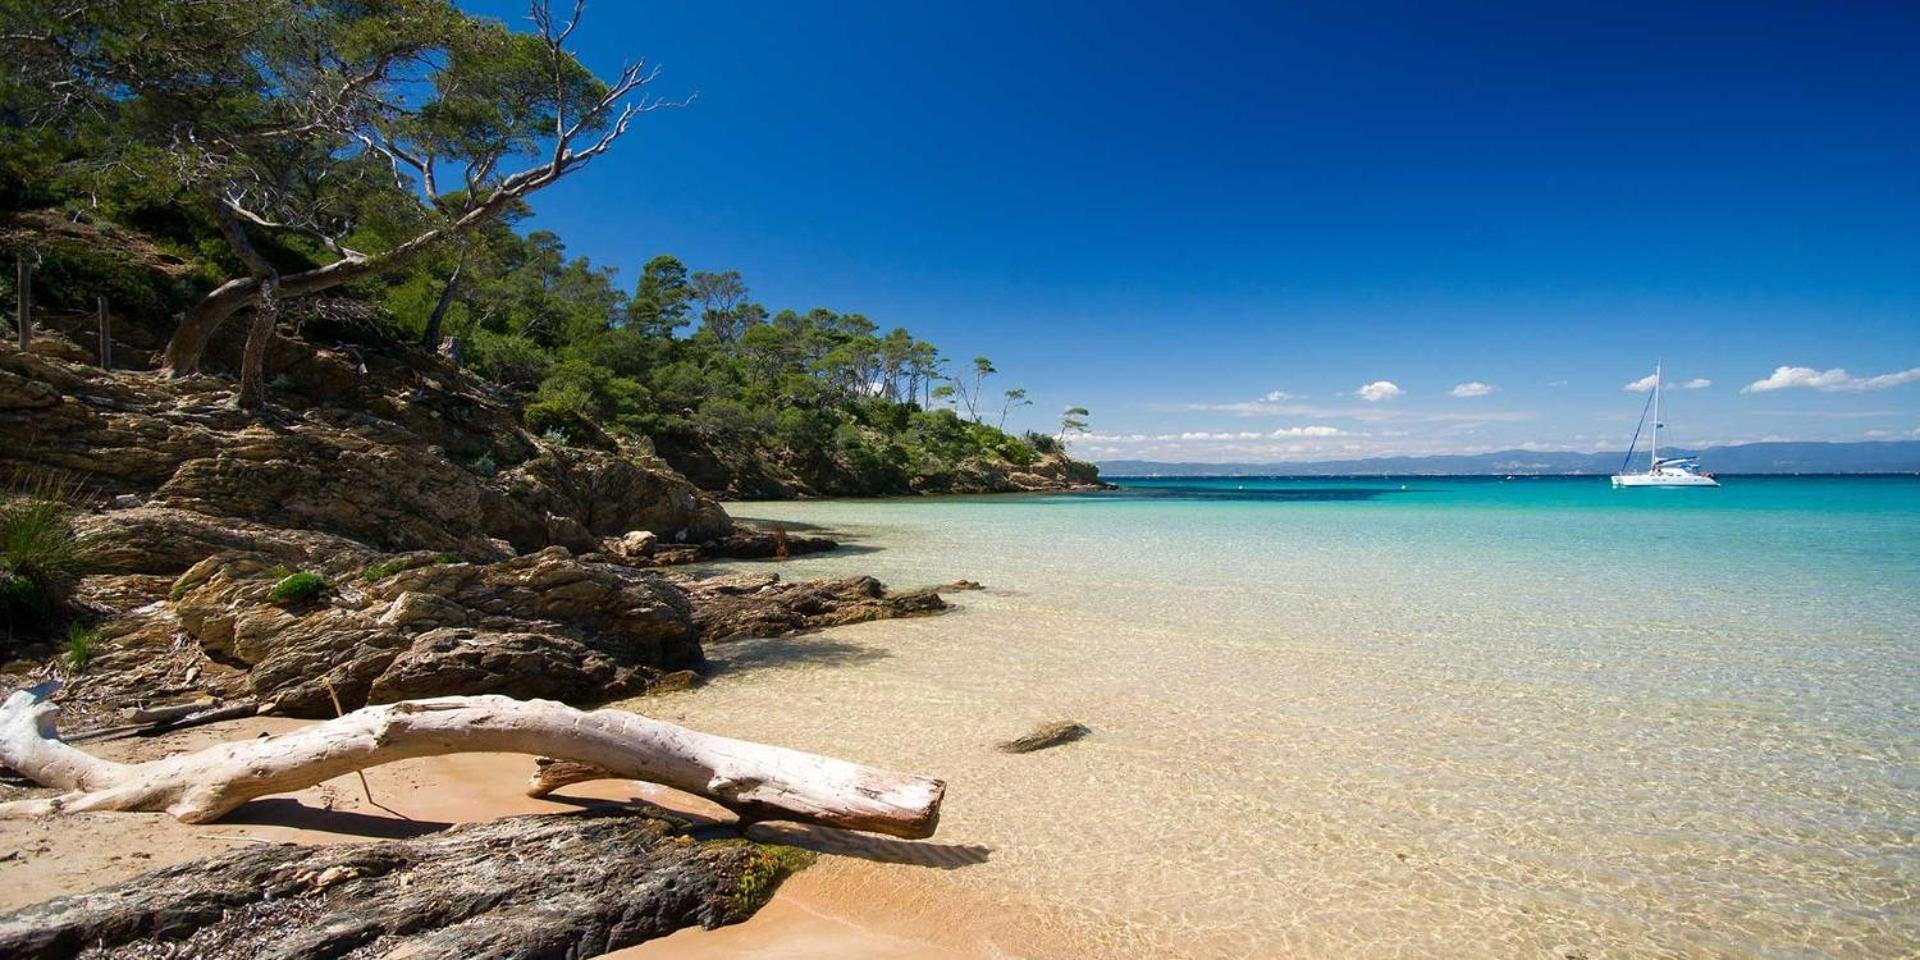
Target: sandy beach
column 833, row 909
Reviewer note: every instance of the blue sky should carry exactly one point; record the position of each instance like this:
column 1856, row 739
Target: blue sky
column 1169, row 213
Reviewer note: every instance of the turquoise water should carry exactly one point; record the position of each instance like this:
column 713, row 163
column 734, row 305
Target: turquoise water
column 1406, row 717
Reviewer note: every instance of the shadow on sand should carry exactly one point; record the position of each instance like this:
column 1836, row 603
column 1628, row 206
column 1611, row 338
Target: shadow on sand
column 741, row 656
column 842, row 843
column 288, row 812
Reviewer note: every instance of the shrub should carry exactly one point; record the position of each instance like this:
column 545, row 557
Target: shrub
column 513, row 360
column 1018, row 452
column 299, row 587
column 40, row 556
column 81, row 641
column 1043, row 443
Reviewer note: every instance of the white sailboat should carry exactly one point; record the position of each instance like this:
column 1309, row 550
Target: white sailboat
column 1670, row 472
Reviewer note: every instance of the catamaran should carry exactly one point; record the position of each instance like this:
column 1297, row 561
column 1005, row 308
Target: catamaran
column 1668, row 472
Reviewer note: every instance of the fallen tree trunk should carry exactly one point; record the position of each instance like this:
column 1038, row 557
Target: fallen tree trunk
column 757, row 781
column 151, row 722
column 558, row 885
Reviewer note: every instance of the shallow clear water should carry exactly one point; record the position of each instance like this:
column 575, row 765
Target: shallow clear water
column 1423, row 717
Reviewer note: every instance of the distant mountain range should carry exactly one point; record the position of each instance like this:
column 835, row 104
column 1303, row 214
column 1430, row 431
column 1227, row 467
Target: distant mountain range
column 1888, row 456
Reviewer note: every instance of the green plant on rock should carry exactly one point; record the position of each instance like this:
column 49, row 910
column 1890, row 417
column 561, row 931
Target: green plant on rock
column 81, row 643
column 298, row 587
column 40, row 557
column 770, row 864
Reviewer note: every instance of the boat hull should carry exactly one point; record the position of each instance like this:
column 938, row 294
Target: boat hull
column 1663, row 480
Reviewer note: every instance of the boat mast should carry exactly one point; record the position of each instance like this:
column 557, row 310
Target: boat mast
column 1654, row 454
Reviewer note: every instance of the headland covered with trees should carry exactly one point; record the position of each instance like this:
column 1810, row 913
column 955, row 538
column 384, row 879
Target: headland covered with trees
column 363, row 174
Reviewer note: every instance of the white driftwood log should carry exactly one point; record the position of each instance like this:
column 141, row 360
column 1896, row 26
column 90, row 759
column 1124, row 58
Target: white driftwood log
column 758, row 781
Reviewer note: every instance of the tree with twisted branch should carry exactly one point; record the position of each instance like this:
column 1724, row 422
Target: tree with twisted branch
column 366, row 133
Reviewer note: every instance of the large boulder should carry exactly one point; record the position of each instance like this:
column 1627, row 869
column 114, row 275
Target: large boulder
column 567, row 885
column 762, row 605
column 542, row 625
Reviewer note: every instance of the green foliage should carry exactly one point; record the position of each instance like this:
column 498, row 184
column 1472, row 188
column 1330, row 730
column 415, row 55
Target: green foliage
column 508, row 358
column 81, row 643
column 40, row 557
column 1043, row 444
column 296, row 588
column 70, row 275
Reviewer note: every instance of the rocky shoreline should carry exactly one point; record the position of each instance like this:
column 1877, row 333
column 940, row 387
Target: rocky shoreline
column 389, row 531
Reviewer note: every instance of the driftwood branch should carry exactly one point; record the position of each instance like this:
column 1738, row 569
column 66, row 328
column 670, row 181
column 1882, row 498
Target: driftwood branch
column 757, row 781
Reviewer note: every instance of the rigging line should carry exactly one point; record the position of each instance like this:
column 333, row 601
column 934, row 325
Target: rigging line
column 1636, row 434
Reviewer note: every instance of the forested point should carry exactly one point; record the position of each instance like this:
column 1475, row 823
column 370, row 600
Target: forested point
column 361, row 175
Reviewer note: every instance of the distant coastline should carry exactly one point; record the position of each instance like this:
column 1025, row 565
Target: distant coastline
column 1886, row 457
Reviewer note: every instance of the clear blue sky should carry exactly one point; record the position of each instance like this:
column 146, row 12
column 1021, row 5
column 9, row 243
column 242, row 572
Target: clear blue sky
column 1168, row 212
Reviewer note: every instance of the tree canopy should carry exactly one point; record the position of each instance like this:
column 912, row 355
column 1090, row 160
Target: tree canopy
column 388, row 149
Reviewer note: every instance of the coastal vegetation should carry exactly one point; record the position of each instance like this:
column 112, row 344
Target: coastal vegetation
column 426, row 480
column 362, row 173
column 297, row 587
column 40, row 559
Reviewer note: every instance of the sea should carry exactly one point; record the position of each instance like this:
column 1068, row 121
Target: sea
column 1382, row 717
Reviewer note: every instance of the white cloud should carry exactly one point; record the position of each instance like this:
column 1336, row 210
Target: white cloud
column 1835, row 380
column 1379, row 390
column 1645, row 383
column 1366, row 413
column 1556, row 383
column 1277, row 396
column 1309, row 432
column 1472, row 388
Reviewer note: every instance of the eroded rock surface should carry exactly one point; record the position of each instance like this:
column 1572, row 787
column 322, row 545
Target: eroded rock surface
column 762, row 605
column 569, row 885
column 403, row 456
column 542, row 625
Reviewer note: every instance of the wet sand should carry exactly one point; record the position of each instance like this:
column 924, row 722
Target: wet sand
column 833, row 909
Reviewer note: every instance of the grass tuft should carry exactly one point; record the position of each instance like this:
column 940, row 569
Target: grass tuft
column 40, row 555
column 81, row 643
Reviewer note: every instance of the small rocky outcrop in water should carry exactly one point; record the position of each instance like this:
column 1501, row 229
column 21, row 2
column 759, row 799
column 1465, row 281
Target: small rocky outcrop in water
column 569, row 885
column 762, row 605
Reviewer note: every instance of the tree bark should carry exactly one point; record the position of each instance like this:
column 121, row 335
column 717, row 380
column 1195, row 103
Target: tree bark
column 757, row 781
column 253, row 360
column 189, row 340
column 203, row 319
column 430, row 338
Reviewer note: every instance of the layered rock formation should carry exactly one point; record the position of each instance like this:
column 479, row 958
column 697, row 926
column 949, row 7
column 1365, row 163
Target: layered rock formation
column 573, row 885
column 761, row 605
column 543, row 625
column 524, row 568
column 402, row 457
